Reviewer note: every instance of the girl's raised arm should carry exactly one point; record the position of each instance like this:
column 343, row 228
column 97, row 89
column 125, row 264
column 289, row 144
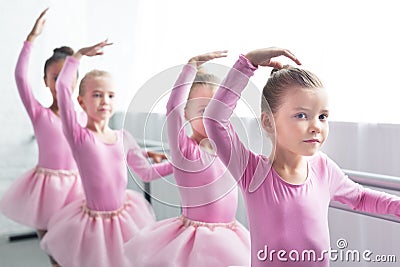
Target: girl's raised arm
column 240, row 161
column 21, row 70
column 65, row 80
column 177, row 100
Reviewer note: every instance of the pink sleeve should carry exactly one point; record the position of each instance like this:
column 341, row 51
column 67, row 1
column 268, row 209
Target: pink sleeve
column 72, row 129
column 140, row 164
column 240, row 161
column 32, row 106
column 175, row 111
column 346, row 191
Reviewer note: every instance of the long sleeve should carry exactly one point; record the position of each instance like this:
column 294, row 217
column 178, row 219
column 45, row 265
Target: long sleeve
column 175, row 111
column 230, row 149
column 72, row 129
column 32, row 106
column 140, row 165
column 346, row 191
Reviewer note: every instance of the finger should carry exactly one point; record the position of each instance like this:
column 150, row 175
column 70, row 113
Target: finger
column 290, row 55
column 274, row 64
column 43, row 13
column 218, row 54
column 103, row 44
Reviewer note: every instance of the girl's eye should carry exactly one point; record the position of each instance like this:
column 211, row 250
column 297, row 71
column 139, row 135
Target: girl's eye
column 96, row 95
column 323, row 117
column 111, row 96
column 301, row 116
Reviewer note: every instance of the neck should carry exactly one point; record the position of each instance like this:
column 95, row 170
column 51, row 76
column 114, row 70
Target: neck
column 198, row 137
column 100, row 127
column 54, row 108
column 203, row 142
column 290, row 166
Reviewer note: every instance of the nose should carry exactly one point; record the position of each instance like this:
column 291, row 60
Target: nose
column 105, row 99
column 315, row 125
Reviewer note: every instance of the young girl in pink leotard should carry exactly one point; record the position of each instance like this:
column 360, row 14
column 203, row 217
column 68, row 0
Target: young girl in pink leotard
column 206, row 234
column 93, row 232
column 287, row 194
column 54, row 182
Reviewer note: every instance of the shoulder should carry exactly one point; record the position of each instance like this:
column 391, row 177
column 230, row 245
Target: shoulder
column 322, row 163
column 319, row 162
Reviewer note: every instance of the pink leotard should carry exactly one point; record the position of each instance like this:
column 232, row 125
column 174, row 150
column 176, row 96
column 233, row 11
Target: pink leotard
column 54, row 183
column 102, row 166
column 284, row 216
column 208, row 191
column 54, row 151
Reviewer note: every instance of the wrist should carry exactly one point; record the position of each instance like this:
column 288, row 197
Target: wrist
column 31, row 38
column 250, row 59
column 193, row 62
column 77, row 55
column 248, row 62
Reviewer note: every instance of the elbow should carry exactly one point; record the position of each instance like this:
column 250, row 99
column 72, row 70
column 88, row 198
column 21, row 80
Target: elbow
column 19, row 77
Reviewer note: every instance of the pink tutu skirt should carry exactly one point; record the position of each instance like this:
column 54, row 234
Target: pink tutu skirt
column 180, row 242
column 80, row 237
column 36, row 196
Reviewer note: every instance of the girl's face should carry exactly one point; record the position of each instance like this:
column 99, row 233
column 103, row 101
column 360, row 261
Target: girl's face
column 98, row 98
column 301, row 121
column 52, row 72
column 199, row 97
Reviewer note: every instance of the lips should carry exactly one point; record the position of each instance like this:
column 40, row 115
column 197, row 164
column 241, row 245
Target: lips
column 312, row 141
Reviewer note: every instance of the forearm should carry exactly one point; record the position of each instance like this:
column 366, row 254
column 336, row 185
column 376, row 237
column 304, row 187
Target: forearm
column 219, row 110
column 175, row 110
column 21, row 79
column 144, row 169
column 64, row 95
column 379, row 202
column 181, row 89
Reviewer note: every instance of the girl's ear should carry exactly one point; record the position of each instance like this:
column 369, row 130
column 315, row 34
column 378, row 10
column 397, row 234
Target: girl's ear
column 45, row 81
column 81, row 103
column 267, row 122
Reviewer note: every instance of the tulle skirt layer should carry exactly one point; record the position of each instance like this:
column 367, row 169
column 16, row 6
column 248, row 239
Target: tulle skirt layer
column 38, row 194
column 78, row 236
column 179, row 242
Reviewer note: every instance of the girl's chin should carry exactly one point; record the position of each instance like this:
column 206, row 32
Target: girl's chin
column 310, row 153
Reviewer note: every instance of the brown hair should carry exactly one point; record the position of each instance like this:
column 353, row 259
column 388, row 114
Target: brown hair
column 93, row 74
column 280, row 82
column 59, row 53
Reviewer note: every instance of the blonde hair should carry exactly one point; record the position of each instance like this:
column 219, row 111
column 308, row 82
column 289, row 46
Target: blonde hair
column 282, row 80
column 204, row 78
column 94, row 74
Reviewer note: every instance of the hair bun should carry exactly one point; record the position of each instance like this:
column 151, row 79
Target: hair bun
column 276, row 69
column 273, row 71
column 64, row 50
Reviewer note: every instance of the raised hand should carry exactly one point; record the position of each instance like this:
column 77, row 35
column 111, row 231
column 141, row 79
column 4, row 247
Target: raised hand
column 157, row 157
column 200, row 59
column 93, row 50
column 38, row 27
column 264, row 57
